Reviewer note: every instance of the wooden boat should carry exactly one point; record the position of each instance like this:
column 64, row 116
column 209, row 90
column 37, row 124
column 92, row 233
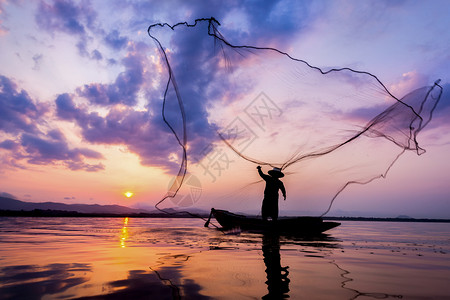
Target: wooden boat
column 292, row 225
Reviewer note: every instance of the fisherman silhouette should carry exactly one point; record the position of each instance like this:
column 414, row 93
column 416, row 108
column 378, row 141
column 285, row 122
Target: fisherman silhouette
column 270, row 201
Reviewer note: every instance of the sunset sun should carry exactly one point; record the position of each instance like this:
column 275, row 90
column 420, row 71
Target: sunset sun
column 128, row 194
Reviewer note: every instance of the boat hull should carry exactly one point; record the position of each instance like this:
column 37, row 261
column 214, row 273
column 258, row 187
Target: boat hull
column 295, row 225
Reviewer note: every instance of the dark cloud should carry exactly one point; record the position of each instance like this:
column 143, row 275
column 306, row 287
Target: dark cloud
column 97, row 93
column 256, row 23
column 9, row 145
column 19, row 119
column 198, row 73
column 44, row 151
column 273, row 21
column 69, row 18
column 65, row 108
column 115, row 40
column 56, row 135
column 18, row 112
column 65, row 16
column 268, row 23
column 78, row 20
column 127, row 84
column 145, row 133
column 444, row 103
column 442, row 111
column 112, row 62
column 96, row 55
column 135, row 129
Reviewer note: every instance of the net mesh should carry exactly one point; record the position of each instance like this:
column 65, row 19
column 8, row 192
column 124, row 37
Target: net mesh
column 232, row 107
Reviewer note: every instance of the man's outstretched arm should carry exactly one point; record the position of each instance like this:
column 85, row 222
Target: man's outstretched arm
column 263, row 176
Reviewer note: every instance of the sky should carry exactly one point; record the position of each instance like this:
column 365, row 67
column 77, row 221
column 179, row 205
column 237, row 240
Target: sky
column 82, row 83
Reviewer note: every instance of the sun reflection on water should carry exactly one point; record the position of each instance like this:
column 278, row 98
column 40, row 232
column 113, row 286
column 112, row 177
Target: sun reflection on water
column 173, row 258
column 124, row 233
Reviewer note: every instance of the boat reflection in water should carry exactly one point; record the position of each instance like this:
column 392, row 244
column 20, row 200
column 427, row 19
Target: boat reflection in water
column 137, row 258
column 277, row 276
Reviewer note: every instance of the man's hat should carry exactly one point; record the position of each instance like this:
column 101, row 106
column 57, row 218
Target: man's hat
column 276, row 172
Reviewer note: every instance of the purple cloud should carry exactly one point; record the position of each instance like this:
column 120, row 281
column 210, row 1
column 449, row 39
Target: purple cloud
column 115, row 40
column 255, row 23
column 127, row 84
column 19, row 117
column 9, row 145
column 65, row 108
column 70, row 18
column 272, row 22
column 51, row 149
column 18, row 112
column 96, row 55
column 146, row 134
column 65, row 16
column 136, row 129
column 444, row 104
column 54, row 149
column 143, row 132
column 442, row 111
column 80, row 20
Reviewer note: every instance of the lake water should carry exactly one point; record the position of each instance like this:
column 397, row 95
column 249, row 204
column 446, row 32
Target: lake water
column 121, row 258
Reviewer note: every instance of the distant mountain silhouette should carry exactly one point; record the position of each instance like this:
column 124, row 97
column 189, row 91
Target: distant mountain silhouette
column 17, row 205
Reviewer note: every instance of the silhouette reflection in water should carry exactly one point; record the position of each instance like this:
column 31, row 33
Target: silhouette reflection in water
column 36, row 281
column 277, row 276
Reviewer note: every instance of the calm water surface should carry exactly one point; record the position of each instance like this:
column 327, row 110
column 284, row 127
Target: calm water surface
column 113, row 258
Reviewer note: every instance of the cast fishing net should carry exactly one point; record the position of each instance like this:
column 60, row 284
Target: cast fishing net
column 231, row 107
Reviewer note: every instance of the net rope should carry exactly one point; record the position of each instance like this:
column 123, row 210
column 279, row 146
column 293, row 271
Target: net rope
column 334, row 128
